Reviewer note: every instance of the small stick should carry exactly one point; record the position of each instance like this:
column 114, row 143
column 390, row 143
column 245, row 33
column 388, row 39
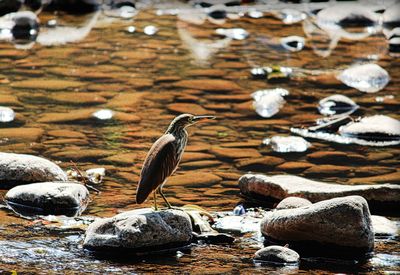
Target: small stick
column 84, row 178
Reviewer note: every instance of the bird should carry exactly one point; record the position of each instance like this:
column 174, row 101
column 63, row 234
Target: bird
column 164, row 156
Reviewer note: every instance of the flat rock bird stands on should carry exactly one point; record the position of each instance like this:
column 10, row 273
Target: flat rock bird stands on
column 164, row 156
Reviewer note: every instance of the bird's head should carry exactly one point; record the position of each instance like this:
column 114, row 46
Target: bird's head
column 185, row 120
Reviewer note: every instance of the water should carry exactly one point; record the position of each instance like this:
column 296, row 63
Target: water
column 146, row 81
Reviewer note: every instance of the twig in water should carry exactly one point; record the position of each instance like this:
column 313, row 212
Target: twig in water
column 85, row 183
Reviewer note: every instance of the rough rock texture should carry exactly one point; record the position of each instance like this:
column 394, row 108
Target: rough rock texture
column 282, row 186
column 293, row 202
column 343, row 222
column 277, row 254
column 140, row 230
column 18, row 169
column 49, row 198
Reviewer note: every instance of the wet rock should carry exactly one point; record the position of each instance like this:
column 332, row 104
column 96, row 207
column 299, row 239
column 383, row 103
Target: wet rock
column 249, row 222
column 267, row 103
column 140, row 231
column 281, row 186
column 18, row 169
column 373, row 128
column 369, row 78
column 48, row 198
column 287, row 144
column 25, row 134
column 66, row 134
column 208, row 85
column 47, row 84
column 337, row 104
column 277, row 254
column 78, row 98
column 9, row 100
column 344, row 223
column 150, row 30
column 386, row 178
column 293, row 43
column 292, row 202
column 294, row 166
column 82, row 154
column 125, row 159
column 383, row 226
column 328, row 170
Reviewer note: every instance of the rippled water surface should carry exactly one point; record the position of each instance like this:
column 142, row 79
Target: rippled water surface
column 146, row 80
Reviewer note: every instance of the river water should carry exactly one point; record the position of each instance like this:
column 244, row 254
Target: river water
column 146, row 80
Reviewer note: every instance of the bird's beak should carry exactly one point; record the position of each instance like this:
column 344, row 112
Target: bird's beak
column 196, row 119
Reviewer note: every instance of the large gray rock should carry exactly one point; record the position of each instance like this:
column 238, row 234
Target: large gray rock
column 281, row 186
column 342, row 222
column 277, row 254
column 140, row 230
column 18, row 169
column 48, row 198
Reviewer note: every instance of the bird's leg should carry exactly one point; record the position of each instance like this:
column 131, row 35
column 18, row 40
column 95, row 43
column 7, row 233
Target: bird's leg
column 165, row 199
column 155, row 200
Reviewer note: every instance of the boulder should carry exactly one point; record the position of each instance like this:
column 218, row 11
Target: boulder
column 48, row 198
column 18, row 169
column 340, row 223
column 293, row 202
column 140, row 231
column 258, row 186
column 277, row 254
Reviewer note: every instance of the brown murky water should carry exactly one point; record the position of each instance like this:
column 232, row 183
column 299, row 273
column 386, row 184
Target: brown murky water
column 146, row 81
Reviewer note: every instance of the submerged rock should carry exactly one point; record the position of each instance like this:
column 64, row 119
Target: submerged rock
column 48, row 198
column 369, row 78
column 293, row 43
column 373, row 128
column 342, row 223
column 277, row 254
column 337, row 104
column 140, row 231
column 267, row 103
column 286, row 144
column 292, row 202
column 281, row 186
column 18, row 169
column 246, row 222
column 6, row 114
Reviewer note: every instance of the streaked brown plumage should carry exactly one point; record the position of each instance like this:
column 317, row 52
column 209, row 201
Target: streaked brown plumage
column 164, row 156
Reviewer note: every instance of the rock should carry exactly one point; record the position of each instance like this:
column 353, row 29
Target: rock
column 294, row 166
column 383, row 226
column 187, row 108
column 194, row 179
column 82, row 154
column 369, row 78
column 66, row 134
column 78, row 98
column 277, row 254
column 208, row 85
column 48, row 198
column 234, row 33
column 47, row 84
column 281, row 186
column 337, row 104
column 18, row 169
column 293, row 202
column 335, row 157
column 373, row 128
column 344, row 223
column 140, row 231
column 328, row 170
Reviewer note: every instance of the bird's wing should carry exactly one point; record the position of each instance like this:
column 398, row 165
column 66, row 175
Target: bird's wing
column 160, row 163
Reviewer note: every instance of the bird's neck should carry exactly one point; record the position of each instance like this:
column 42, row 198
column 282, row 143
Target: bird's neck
column 177, row 131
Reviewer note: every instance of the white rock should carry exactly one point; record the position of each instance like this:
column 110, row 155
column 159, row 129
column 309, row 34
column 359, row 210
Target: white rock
column 293, row 43
column 277, row 254
column 383, row 226
column 336, row 104
column 369, row 78
column 6, row 114
column 267, row 103
column 235, row 33
column 18, row 169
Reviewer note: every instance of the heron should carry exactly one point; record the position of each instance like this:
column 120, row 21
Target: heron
column 164, row 156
